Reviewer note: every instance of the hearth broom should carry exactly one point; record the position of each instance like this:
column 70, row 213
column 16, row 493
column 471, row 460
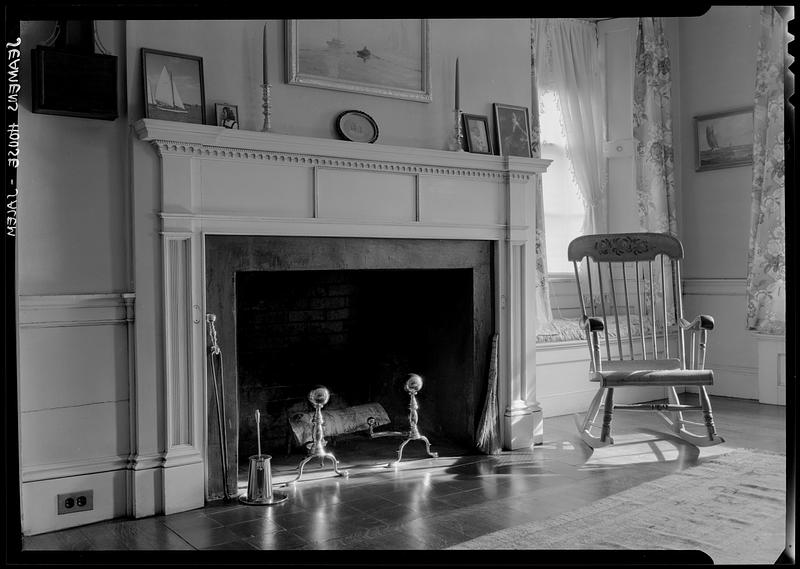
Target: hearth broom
column 215, row 354
column 488, row 440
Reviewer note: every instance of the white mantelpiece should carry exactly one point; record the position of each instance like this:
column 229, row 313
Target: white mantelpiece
column 218, row 181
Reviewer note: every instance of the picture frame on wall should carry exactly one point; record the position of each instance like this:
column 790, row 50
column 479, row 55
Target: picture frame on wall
column 512, row 124
column 723, row 140
column 477, row 133
column 386, row 57
column 227, row 115
column 173, row 86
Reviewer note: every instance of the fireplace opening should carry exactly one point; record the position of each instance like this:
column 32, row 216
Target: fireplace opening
column 356, row 315
column 358, row 333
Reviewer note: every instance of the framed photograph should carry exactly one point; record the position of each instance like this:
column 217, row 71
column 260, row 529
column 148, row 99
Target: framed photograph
column 227, row 115
column 173, row 86
column 389, row 58
column 513, row 130
column 723, row 140
column 357, row 126
column 476, row 131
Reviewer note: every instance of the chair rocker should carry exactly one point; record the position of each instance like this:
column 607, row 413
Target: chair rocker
column 635, row 324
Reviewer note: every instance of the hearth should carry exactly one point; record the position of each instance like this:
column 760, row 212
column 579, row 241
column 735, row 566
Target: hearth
column 356, row 315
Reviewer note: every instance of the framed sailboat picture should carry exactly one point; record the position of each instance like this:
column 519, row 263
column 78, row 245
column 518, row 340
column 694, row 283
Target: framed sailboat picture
column 173, row 86
column 723, row 140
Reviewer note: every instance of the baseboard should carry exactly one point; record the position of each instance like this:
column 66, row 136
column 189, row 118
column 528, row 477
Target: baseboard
column 733, row 381
column 40, row 501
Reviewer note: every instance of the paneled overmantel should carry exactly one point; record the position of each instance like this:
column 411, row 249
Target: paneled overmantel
column 219, row 181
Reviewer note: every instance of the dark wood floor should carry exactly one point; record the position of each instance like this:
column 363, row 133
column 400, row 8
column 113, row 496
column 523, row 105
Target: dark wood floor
column 433, row 504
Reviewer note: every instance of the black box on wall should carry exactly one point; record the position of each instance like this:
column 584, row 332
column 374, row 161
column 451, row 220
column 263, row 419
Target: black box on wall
column 74, row 84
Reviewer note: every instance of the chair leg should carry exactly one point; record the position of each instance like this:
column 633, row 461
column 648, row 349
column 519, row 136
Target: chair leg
column 708, row 416
column 677, row 422
column 608, row 412
column 677, row 416
column 585, row 424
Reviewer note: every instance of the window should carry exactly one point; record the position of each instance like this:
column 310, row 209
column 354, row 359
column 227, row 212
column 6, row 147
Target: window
column 564, row 208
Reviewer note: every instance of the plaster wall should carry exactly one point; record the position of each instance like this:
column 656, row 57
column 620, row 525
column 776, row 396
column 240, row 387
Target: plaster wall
column 718, row 62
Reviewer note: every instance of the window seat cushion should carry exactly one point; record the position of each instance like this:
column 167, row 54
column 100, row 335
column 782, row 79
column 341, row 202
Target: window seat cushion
column 570, row 329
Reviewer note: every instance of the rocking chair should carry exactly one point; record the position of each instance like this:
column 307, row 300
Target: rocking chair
column 639, row 265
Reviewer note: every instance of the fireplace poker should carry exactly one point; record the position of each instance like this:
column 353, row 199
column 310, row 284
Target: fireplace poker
column 215, row 354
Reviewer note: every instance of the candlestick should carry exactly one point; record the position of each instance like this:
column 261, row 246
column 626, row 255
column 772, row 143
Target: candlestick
column 266, row 69
column 266, row 105
column 458, row 87
column 266, row 95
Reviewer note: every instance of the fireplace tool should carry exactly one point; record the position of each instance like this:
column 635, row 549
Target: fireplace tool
column 259, row 478
column 318, row 397
column 215, row 357
column 412, row 386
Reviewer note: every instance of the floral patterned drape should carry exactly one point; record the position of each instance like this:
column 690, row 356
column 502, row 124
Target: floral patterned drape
column 766, row 274
column 652, row 129
column 544, row 312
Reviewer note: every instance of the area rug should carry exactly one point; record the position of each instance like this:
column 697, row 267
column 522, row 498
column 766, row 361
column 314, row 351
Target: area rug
column 730, row 506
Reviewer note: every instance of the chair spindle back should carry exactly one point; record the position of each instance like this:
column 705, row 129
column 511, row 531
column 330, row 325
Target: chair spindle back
column 645, row 308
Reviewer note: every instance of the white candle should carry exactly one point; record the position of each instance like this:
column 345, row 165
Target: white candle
column 458, row 87
column 266, row 74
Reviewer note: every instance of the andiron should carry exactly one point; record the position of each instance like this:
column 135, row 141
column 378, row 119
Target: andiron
column 318, row 397
column 412, row 386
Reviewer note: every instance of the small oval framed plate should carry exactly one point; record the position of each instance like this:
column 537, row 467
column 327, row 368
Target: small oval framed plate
column 357, row 126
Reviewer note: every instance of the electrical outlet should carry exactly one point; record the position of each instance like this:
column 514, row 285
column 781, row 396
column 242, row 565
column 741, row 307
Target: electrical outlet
column 80, row 501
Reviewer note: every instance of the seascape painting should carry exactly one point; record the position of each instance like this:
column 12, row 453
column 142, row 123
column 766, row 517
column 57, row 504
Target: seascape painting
column 379, row 57
column 173, row 86
column 724, row 140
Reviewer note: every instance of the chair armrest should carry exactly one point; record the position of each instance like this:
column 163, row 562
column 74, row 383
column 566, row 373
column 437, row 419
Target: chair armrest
column 592, row 323
column 701, row 322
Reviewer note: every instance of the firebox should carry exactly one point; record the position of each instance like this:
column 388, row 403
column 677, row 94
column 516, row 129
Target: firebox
column 356, row 315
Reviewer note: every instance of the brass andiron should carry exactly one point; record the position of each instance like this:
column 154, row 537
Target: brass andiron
column 318, row 397
column 412, row 386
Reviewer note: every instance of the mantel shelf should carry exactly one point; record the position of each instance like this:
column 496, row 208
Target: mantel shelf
column 214, row 137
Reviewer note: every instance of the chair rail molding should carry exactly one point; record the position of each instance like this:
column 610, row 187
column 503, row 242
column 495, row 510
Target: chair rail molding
column 714, row 286
column 37, row 311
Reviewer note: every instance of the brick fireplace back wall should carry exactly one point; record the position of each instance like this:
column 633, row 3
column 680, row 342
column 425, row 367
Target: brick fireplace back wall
column 359, row 333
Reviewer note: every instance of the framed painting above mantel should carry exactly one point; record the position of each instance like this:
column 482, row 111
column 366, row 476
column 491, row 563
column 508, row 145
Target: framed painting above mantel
column 388, row 58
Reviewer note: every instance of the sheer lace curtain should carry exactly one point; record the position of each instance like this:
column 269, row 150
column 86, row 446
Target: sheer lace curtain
column 565, row 59
column 766, row 278
column 567, row 62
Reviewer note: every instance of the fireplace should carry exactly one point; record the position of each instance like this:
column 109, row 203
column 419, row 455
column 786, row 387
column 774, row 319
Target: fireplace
column 206, row 187
column 356, row 315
